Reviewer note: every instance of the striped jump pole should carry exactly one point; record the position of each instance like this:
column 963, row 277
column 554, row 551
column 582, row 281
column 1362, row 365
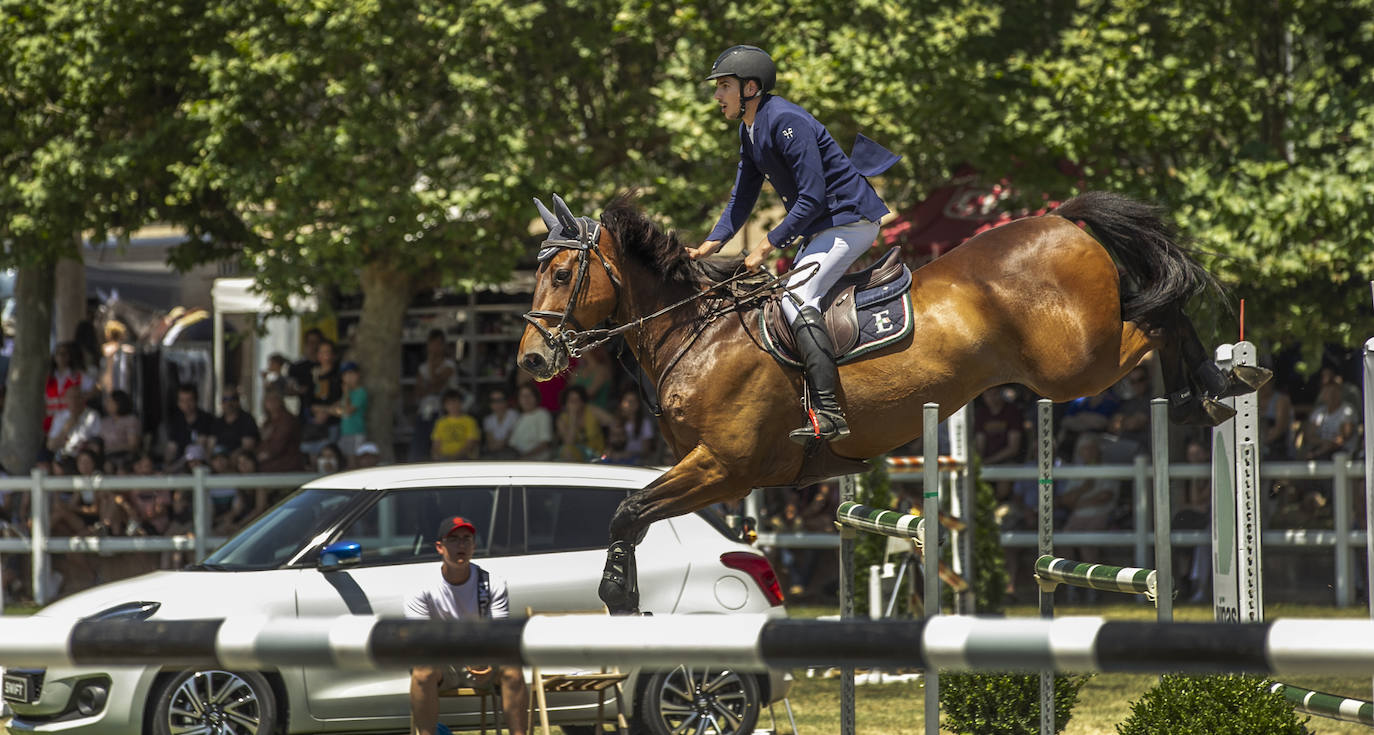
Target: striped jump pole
column 1332, row 706
column 886, row 522
column 1104, row 577
column 753, row 642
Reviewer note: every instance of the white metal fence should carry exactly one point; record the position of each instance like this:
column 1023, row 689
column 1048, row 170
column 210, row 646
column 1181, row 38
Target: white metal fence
column 40, row 545
column 1343, row 539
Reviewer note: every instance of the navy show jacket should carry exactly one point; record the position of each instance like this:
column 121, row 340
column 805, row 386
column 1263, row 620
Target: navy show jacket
column 820, row 186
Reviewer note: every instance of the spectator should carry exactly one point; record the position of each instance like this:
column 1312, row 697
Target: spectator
column 223, row 498
column 248, row 502
column 1128, row 428
column 121, row 429
column 639, row 427
column 533, row 435
column 438, row 373
column 1082, row 415
column 998, row 439
column 352, row 410
column 1276, row 413
column 595, row 377
column 117, row 359
column 462, row 590
column 1090, row 502
column 66, row 374
column 274, row 377
column 617, row 447
column 579, row 433
column 455, row 435
column 235, row 428
column 300, row 377
column 320, row 415
column 330, row 460
column 367, row 455
column 279, row 450
column 187, row 425
column 1331, row 425
column 82, row 425
column 498, row 426
column 1194, row 512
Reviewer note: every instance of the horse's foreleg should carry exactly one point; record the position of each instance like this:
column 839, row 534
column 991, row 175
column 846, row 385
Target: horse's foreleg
column 697, row 481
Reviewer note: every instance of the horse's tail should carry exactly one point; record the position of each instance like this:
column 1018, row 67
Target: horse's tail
column 1161, row 275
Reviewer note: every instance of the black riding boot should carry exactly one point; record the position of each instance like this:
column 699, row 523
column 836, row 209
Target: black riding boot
column 818, row 358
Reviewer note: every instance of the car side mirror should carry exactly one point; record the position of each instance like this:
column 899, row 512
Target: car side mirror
column 340, row 554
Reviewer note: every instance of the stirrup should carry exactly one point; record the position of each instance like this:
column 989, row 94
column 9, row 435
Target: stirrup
column 826, row 425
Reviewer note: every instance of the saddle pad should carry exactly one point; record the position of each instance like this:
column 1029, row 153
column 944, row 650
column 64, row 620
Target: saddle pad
column 881, row 321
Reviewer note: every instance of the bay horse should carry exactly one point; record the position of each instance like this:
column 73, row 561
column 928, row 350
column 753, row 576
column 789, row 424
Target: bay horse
column 1037, row 301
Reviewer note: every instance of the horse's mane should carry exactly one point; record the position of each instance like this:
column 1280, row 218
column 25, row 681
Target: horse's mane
column 661, row 252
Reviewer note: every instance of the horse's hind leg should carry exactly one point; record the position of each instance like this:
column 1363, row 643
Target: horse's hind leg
column 699, row 480
column 1193, row 381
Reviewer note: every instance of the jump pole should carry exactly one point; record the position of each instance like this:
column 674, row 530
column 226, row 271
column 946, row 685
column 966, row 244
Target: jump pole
column 1044, row 423
column 1237, row 564
column 1369, row 471
column 852, row 517
column 961, row 506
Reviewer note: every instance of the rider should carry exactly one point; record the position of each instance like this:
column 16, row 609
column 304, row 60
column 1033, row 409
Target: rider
column 829, row 202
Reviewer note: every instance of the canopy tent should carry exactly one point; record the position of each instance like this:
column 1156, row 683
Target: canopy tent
column 278, row 334
column 950, row 215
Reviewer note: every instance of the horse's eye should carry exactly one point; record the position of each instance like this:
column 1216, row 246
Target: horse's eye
column 562, row 276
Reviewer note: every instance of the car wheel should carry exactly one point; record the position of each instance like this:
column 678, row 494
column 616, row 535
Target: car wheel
column 710, row 700
column 215, row 702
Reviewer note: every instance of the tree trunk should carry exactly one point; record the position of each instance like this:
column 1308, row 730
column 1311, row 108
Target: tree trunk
column 21, row 426
column 69, row 298
column 377, row 349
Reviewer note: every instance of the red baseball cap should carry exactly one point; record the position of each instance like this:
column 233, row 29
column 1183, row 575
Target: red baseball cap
column 453, row 523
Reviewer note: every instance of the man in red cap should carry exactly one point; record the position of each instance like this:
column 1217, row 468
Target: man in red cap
column 462, row 590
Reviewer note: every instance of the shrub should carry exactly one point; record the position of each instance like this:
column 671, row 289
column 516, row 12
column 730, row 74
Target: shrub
column 875, row 491
column 1212, row 705
column 1003, row 704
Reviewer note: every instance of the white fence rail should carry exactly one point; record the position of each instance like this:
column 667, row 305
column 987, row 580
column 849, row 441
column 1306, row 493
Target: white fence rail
column 39, row 544
column 1343, row 473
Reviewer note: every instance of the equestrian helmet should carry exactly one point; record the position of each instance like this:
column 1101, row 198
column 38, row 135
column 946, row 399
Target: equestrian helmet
column 746, row 62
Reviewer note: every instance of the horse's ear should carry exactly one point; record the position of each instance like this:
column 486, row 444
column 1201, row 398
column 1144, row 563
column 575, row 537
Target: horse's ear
column 550, row 221
column 565, row 215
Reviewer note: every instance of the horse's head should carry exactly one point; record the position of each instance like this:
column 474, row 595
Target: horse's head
column 576, row 286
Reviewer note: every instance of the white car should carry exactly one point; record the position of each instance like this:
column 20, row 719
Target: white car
column 543, row 526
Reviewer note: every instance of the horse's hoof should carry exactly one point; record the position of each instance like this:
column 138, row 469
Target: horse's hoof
column 619, row 584
column 1205, row 412
column 1243, row 379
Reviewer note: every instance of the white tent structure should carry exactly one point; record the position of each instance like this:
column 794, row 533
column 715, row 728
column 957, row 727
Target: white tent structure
column 280, row 334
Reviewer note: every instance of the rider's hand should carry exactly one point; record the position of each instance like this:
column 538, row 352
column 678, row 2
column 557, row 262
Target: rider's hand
column 758, row 254
column 704, row 249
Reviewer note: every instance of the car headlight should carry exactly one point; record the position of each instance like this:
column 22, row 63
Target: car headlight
column 128, row 611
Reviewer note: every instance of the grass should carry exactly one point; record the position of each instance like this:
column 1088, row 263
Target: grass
column 897, row 708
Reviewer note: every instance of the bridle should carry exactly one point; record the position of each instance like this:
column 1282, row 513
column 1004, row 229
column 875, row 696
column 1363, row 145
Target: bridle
column 573, row 341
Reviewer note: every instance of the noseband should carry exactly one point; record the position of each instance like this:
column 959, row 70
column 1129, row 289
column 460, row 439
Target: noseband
column 572, row 341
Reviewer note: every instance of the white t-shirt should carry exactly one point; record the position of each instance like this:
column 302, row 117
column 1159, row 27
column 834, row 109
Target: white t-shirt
column 440, row 600
column 531, row 430
column 500, row 428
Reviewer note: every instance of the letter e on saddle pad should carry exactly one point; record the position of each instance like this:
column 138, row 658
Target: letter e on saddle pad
column 864, row 311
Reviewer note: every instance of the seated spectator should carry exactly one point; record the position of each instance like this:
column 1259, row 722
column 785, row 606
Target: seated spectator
column 1193, row 511
column 352, row 410
column 235, row 428
column 438, row 373
column 66, row 375
column 329, row 460
column 1091, row 502
column 121, row 429
column 498, row 426
column 1331, row 426
column 533, row 436
column 223, row 498
column 186, row 424
column 579, row 432
column 274, row 377
column 82, row 426
column 455, row 435
column 618, row 447
column 1276, row 431
column 462, row 590
column 367, row 455
column 1128, row 428
column 1090, row 414
column 248, row 502
column 320, row 409
column 640, row 427
column 280, row 447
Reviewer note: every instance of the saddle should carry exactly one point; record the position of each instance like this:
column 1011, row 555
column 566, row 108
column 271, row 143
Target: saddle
column 853, row 311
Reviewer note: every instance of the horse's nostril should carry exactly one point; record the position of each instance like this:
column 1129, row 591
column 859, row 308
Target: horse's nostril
column 533, row 361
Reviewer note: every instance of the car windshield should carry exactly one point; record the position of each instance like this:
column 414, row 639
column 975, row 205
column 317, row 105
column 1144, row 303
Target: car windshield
column 278, row 534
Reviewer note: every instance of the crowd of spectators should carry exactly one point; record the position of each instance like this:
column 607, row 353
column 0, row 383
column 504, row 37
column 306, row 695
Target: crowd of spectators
column 314, row 419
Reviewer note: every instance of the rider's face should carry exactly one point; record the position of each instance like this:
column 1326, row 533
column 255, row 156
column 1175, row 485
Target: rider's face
column 727, row 96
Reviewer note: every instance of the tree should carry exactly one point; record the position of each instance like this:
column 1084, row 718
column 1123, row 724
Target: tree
column 85, row 137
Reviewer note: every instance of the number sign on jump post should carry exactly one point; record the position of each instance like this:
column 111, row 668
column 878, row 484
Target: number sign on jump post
column 1237, row 592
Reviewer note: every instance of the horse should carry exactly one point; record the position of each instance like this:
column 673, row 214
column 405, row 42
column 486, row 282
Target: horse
column 1038, row 301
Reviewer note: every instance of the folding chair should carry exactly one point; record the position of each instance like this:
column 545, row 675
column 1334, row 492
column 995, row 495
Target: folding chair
column 607, row 679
